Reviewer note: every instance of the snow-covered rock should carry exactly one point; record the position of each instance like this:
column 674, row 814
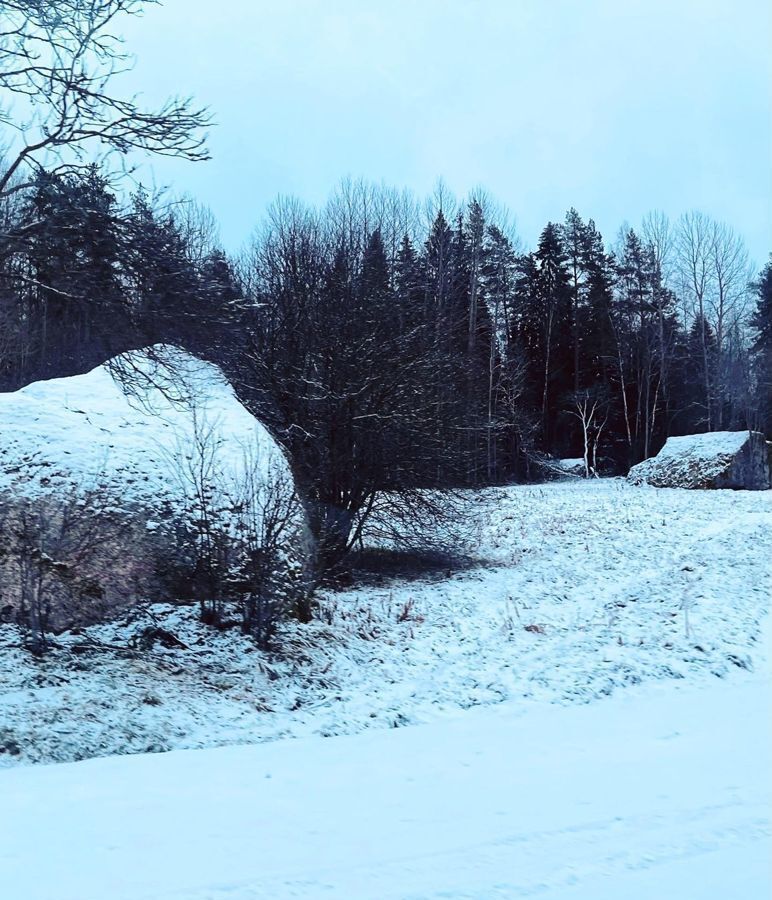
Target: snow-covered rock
column 718, row 459
column 86, row 431
column 102, row 489
column 573, row 467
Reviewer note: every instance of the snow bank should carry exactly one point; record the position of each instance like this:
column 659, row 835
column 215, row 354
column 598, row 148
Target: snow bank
column 719, row 459
column 85, row 431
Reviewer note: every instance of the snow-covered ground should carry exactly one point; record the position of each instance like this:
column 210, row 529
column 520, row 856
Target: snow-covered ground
column 549, row 788
column 662, row 791
column 586, row 588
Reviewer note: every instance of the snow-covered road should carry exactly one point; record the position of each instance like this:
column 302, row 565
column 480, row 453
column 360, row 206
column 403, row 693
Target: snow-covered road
column 658, row 792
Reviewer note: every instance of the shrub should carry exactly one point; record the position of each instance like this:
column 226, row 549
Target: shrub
column 70, row 560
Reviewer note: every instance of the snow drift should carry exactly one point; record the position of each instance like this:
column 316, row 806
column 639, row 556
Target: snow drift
column 719, row 459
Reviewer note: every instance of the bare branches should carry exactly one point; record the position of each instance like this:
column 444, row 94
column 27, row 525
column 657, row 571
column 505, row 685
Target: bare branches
column 591, row 408
column 715, row 275
column 57, row 61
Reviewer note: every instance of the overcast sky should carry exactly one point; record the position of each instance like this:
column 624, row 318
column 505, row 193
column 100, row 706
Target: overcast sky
column 615, row 108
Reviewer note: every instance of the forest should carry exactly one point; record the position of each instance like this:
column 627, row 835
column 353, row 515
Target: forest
column 391, row 345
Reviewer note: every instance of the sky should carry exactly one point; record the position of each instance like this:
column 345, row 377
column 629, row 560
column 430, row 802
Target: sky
column 615, row 108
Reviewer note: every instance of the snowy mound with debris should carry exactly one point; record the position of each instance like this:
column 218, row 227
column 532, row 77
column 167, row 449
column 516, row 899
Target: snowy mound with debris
column 718, row 459
column 87, row 431
column 570, row 466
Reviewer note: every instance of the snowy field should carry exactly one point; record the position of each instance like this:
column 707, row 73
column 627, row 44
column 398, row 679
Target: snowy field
column 659, row 793
column 583, row 589
column 549, row 788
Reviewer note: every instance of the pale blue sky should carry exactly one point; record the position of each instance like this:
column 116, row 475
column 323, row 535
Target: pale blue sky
column 616, row 108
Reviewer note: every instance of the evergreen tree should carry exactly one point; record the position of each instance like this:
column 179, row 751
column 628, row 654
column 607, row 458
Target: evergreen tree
column 550, row 324
column 700, row 345
column 409, row 291
column 761, row 348
column 71, row 280
column 596, row 316
column 574, row 234
column 504, row 432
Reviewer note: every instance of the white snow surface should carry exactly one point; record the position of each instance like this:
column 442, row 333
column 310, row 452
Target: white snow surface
column 549, row 788
column 704, row 446
column 663, row 791
column 692, row 459
column 84, row 431
column 584, row 588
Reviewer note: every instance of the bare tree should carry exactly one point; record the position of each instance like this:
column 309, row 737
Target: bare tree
column 659, row 236
column 715, row 275
column 591, row 408
column 695, row 261
column 58, row 61
column 238, row 541
column 70, row 560
column 342, row 370
column 731, row 275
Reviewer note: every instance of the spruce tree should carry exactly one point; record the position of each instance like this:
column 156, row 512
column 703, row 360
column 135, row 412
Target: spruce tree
column 552, row 322
column 761, row 348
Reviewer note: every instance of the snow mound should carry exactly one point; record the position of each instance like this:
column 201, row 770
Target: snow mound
column 719, row 459
column 87, row 431
column 570, row 466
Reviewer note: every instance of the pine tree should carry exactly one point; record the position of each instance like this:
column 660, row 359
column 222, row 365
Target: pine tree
column 71, row 280
column 575, row 238
column 504, row 430
column 551, row 321
column 409, row 291
column 701, row 351
column 596, row 316
column 761, row 348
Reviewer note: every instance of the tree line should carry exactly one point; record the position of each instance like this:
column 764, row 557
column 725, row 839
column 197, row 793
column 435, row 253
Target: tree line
column 392, row 346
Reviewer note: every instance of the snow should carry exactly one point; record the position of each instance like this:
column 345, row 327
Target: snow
column 657, row 792
column 704, row 446
column 84, row 430
column 614, row 642
column 693, row 460
column 583, row 589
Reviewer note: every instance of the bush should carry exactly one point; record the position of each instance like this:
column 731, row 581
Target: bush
column 237, row 545
column 70, row 561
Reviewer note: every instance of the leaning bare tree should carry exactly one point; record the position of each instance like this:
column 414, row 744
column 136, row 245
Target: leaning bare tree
column 58, row 63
